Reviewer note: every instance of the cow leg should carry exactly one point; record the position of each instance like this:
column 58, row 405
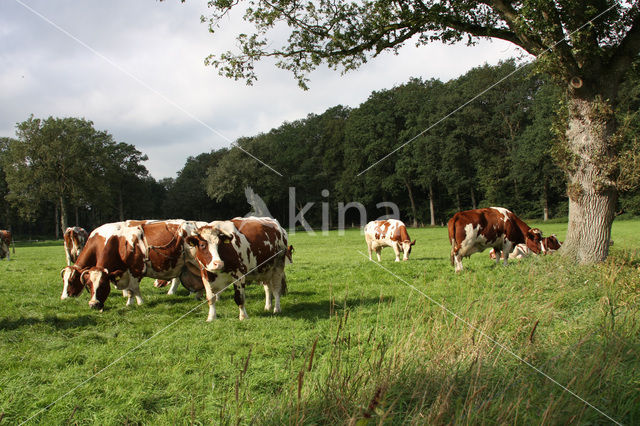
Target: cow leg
column 276, row 289
column 174, row 285
column 506, row 250
column 497, row 256
column 126, row 293
column 369, row 249
column 238, row 296
column 68, row 259
column 267, row 296
column 211, row 297
column 378, row 250
column 134, row 287
column 457, row 259
column 396, row 250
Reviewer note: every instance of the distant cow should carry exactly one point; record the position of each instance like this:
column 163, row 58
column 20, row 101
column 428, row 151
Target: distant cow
column 473, row 231
column 388, row 233
column 74, row 240
column 123, row 253
column 5, row 241
column 549, row 245
column 240, row 250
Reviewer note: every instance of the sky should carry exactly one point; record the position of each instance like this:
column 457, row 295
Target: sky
column 136, row 69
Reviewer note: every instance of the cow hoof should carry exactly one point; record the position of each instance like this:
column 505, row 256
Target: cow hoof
column 96, row 305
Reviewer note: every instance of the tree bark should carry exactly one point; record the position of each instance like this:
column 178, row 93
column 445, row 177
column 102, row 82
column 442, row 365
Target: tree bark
column 413, row 204
column 77, row 217
column 592, row 194
column 55, row 220
column 63, row 215
column 458, row 205
column 473, row 199
column 431, row 207
column 120, row 206
column 545, row 201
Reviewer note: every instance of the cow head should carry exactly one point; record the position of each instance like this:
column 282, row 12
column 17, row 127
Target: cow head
column 71, row 283
column 534, row 240
column 551, row 243
column 405, row 247
column 98, row 282
column 204, row 244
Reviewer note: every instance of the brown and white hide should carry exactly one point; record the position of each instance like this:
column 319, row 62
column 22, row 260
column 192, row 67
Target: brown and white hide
column 388, row 233
column 6, row 240
column 74, row 240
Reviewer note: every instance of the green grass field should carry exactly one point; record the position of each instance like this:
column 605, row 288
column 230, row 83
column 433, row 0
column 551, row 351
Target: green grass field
column 355, row 343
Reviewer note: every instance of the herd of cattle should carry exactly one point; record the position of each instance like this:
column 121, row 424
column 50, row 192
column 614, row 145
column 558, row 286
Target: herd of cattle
column 212, row 256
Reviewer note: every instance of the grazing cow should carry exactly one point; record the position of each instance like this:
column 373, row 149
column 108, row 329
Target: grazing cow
column 388, row 233
column 5, row 241
column 238, row 250
column 549, row 245
column 123, row 253
column 473, row 231
column 74, row 240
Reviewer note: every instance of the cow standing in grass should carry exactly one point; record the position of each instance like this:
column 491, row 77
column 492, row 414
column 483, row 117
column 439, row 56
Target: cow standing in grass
column 5, row 242
column 473, row 231
column 548, row 245
column 388, row 233
column 123, row 253
column 74, row 240
column 239, row 250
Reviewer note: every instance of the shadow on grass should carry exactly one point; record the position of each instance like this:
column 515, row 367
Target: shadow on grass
column 53, row 321
column 322, row 308
column 173, row 300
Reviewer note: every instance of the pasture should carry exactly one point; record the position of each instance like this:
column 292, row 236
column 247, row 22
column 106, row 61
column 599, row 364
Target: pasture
column 354, row 343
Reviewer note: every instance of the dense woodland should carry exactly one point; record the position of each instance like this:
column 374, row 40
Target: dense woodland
column 500, row 149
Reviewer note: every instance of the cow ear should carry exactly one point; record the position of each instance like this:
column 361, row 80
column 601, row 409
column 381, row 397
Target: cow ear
column 82, row 277
column 62, row 272
column 192, row 240
column 225, row 227
column 413, row 243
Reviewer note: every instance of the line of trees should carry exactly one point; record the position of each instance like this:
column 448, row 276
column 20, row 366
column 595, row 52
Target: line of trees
column 499, row 150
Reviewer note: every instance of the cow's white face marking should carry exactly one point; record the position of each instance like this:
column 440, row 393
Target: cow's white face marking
column 65, row 282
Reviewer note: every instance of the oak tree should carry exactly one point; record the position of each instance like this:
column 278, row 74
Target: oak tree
column 587, row 46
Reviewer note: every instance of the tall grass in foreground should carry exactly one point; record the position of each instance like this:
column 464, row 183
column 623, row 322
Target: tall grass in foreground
column 420, row 365
column 353, row 345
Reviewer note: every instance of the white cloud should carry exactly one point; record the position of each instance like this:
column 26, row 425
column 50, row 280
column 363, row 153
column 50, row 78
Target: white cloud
column 163, row 45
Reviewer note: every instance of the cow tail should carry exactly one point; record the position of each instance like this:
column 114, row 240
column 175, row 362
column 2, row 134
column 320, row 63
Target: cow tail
column 283, row 285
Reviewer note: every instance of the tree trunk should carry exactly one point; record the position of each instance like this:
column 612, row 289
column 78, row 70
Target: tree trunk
column 120, row 206
column 63, row 215
column 592, row 195
column 431, row 208
column 458, row 205
column 473, row 199
column 55, row 220
column 413, row 204
column 545, row 201
column 77, row 217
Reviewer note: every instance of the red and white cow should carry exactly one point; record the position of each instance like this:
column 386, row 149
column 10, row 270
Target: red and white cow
column 5, row 242
column 239, row 250
column 473, row 231
column 74, row 240
column 123, row 253
column 388, row 233
column 549, row 245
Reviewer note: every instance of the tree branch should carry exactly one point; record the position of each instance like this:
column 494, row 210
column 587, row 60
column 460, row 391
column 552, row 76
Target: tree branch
column 626, row 53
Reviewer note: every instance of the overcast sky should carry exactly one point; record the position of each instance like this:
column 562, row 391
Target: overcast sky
column 136, row 69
